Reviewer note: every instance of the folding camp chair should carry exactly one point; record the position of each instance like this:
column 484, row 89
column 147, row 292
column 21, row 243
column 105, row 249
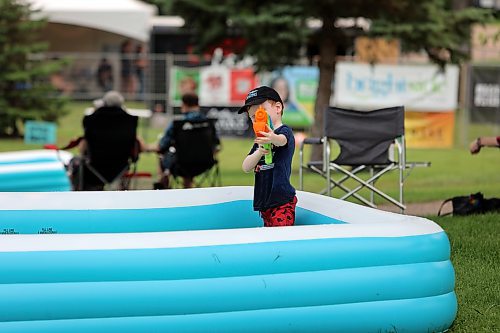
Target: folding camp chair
column 372, row 144
column 195, row 143
column 112, row 150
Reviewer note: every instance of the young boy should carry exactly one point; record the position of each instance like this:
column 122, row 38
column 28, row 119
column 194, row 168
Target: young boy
column 274, row 196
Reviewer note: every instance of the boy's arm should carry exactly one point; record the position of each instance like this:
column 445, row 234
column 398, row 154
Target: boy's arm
column 251, row 160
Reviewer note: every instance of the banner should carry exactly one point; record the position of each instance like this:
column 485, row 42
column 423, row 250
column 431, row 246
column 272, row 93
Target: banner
column 214, row 85
column 429, row 129
column 484, row 103
column 183, row 80
column 417, row 87
column 297, row 87
column 242, row 81
column 229, row 122
column 222, row 86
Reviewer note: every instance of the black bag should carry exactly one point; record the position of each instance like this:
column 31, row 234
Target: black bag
column 471, row 204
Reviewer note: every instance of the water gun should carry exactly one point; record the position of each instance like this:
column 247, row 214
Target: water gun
column 259, row 125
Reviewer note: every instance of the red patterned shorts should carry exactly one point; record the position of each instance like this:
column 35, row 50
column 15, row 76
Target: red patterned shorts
column 280, row 216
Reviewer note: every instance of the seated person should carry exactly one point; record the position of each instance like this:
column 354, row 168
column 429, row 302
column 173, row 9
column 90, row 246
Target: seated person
column 190, row 110
column 108, row 109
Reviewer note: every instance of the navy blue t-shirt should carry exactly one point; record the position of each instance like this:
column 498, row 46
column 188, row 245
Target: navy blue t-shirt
column 272, row 182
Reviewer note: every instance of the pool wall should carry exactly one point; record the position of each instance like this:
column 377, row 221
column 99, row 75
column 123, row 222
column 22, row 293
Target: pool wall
column 34, row 171
column 199, row 261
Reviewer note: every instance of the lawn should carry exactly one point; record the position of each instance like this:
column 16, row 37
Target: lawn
column 475, row 254
column 452, row 172
column 474, row 240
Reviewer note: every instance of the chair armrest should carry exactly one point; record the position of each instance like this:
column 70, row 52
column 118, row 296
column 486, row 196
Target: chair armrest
column 312, row 141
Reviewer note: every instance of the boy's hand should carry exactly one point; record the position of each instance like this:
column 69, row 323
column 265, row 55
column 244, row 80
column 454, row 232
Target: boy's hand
column 267, row 137
column 262, row 150
column 277, row 140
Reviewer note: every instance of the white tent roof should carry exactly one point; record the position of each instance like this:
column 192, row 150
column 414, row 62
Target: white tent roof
column 130, row 18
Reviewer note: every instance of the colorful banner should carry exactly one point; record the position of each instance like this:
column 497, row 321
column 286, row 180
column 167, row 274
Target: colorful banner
column 417, row 87
column 221, row 86
column 242, row 81
column 183, row 80
column 297, row 87
column 429, row 129
column 215, row 85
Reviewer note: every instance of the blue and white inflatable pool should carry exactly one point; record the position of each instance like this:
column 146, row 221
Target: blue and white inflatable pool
column 34, row 171
column 200, row 261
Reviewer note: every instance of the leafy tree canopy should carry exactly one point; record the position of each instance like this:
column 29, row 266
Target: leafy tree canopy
column 277, row 31
column 25, row 89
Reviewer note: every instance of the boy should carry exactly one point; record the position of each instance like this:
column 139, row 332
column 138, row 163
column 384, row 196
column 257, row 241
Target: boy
column 274, row 196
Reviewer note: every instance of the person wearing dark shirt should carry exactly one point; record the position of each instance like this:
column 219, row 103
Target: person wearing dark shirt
column 274, row 196
column 190, row 110
column 105, row 75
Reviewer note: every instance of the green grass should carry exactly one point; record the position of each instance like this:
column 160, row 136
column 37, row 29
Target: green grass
column 475, row 254
column 474, row 240
column 453, row 171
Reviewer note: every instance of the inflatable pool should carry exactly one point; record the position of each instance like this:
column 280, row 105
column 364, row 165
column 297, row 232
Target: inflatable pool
column 200, row 261
column 34, row 171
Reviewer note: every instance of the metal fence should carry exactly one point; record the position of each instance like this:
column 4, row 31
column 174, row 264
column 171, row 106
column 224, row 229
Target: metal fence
column 147, row 79
column 88, row 76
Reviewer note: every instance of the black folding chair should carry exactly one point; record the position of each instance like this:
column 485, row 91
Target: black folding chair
column 112, row 150
column 372, row 144
column 195, row 143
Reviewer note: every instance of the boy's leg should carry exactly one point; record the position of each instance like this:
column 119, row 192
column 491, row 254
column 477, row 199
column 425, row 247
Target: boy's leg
column 281, row 216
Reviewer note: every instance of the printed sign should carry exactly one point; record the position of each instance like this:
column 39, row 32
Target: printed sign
column 417, row 87
column 429, row 129
column 39, row 132
column 484, row 103
column 297, row 87
column 242, row 81
column 214, row 87
column 229, row 122
column 182, row 81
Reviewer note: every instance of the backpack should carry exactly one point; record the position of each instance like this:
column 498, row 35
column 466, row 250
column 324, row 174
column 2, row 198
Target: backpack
column 471, row 204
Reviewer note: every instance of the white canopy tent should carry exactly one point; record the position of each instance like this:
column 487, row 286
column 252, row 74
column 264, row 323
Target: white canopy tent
column 129, row 18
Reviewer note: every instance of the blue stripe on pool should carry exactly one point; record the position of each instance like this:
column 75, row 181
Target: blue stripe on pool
column 427, row 314
column 220, row 260
column 227, row 215
column 29, row 160
column 242, row 293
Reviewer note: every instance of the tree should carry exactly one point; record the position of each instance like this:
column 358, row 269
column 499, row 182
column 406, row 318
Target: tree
column 25, row 89
column 276, row 31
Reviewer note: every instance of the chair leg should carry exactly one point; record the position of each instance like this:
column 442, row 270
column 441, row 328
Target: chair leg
column 187, row 182
column 165, row 180
column 80, row 174
column 366, row 183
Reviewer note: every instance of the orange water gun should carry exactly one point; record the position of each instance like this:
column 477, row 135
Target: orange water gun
column 259, row 125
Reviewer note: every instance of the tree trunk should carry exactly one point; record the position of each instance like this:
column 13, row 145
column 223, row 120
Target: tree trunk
column 327, row 53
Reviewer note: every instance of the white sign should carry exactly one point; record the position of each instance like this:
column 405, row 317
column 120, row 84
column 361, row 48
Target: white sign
column 417, row 87
column 214, row 87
